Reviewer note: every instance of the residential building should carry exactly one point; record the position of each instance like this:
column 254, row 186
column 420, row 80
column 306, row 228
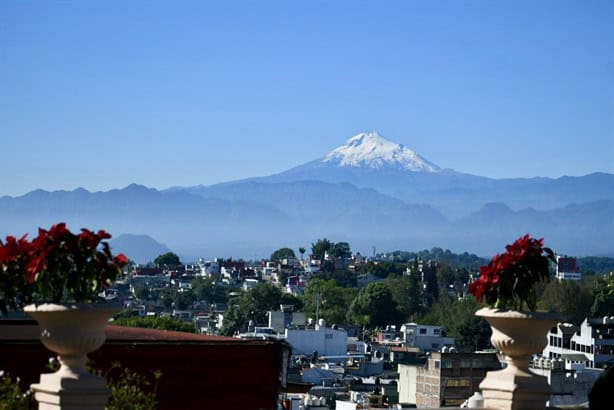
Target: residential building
column 591, row 344
column 321, row 339
column 209, row 268
column 316, row 375
column 390, row 336
column 153, row 281
column 400, row 354
column 249, row 284
column 567, row 268
column 279, row 320
column 448, row 379
column 425, row 337
column 570, row 382
column 295, row 285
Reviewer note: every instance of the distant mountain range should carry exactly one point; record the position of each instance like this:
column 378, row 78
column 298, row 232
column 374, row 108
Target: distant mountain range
column 369, row 192
column 141, row 248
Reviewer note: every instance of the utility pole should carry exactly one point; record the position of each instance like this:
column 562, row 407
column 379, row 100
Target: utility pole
column 318, row 298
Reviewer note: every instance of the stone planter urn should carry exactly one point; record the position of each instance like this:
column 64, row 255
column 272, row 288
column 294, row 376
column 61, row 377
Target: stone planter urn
column 518, row 335
column 72, row 331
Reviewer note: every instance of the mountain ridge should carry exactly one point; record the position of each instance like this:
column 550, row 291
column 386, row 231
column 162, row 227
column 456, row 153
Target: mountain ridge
column 377, row 202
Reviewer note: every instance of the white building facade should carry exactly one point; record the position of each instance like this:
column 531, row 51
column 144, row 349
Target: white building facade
column 324, row 340
column 590, row 344
column 425, row 337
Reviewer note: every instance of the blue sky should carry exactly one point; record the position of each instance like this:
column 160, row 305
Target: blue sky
column 100, row 94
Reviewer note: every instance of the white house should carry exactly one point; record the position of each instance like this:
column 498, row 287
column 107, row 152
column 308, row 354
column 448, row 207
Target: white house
column 249, row 284
column 590, row 344
column 324, row 340
column 209, row 268
column 425, row 337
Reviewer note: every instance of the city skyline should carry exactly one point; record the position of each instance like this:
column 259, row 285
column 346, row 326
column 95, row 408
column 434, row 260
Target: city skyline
column 102, row 95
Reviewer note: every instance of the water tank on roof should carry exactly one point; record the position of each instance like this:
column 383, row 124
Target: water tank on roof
column 322, row 323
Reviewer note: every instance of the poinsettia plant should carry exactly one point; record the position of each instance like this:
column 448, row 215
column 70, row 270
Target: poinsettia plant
column 509, row 280
column 56, row 266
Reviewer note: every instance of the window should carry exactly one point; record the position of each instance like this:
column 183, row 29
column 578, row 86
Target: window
column 422, row 331
column 465, row 363
column 446, row 364
column 437, row 364
column 436, row 331
column 458, row 383
column 434, row 345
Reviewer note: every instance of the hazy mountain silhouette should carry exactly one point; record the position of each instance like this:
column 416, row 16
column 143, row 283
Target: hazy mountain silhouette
column 141, row 248
column 369, row 192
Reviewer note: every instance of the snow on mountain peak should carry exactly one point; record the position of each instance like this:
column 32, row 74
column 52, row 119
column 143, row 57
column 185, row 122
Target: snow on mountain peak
column 371, row 150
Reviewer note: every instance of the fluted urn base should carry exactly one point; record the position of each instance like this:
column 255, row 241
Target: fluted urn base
column 518, row 335
column 72, row 331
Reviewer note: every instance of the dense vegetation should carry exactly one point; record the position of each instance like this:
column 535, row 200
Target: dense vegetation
column 157, row 322
column 598, row 265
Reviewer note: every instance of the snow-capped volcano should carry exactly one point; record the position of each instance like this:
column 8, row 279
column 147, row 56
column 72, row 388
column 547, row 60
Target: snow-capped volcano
column 371, row 150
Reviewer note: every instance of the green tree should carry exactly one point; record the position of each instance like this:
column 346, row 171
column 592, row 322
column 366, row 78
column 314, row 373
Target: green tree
column 158, row 322
column 406, row 294
column 167, row 297
column 445, row 275
column 12, row 397
column 374, row 306
column 282, row 253
column 457, row 316
column 341, row 250
column 385, row 269
column 603, row 291
column 431, row 289
column 207, row 289
column 183, row 300
column 254, row 305
column 344, row 278
column 131, row 391
column 573, row 299
column 320, row 247
column 333, row 300
column 301, row 250
column 472, row 333
column 167, row 259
